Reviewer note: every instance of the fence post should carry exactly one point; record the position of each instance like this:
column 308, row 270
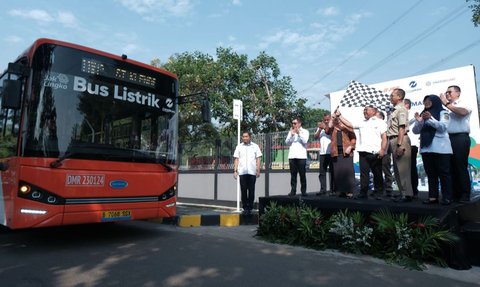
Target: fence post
column 268, row 162
column 218, row 144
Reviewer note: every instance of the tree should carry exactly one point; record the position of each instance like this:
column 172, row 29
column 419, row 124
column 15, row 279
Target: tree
column 476, row 12
column 272, row 97
column 269, row 100
column 196, row 73
column 311, row 116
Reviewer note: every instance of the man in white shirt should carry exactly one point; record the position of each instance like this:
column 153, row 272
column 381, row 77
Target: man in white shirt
column 247, row 165
column 297, row 139
column 458, row 130
column 326, row 162
column 371, row 147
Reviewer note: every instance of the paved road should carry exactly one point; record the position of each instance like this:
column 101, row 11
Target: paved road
column 149, row 254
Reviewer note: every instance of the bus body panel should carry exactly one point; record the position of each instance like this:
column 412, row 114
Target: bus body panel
column 85, row 213
column 93, row 213
column 52, row 217
column 150, row 183
column 91, row 183
column 9, row 188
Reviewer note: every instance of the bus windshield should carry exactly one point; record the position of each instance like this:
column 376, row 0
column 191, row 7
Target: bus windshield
column 86, row 106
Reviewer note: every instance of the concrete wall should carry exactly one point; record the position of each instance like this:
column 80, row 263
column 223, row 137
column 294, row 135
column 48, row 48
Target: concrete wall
column 202, row 185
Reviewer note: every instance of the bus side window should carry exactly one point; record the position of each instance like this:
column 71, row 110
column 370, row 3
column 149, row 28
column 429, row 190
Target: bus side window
column 9, row 126
column 9, row 121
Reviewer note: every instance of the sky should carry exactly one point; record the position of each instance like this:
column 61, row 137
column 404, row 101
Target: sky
column 321, row 44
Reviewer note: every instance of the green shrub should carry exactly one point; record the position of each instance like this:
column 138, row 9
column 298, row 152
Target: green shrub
column 312, row 228
column 410, row 244
column 301, row 225
column 389, row 236
column 350, row 232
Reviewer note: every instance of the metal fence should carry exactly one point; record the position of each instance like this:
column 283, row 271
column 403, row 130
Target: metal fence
column 218, row 154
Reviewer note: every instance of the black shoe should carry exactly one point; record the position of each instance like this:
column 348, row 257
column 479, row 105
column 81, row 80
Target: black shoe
column 430, row 201
column 304, row 194
column 342, row 194
column 405, row 199
column 361, row 196
column 445, row 202
column 291, row 194
column 320, row 193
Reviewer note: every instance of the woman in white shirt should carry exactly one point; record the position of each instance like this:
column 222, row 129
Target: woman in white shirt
column 435, row 148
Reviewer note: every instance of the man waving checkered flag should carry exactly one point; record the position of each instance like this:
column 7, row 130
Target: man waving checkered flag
column 360, row 95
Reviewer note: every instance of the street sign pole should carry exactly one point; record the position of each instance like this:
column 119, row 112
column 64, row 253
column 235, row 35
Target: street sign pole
column 237, row 115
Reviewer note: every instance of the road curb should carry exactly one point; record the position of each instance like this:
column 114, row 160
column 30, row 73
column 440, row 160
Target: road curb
column 197, row 220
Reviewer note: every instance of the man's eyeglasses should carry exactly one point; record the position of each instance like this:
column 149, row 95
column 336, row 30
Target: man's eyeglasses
column 448, row 92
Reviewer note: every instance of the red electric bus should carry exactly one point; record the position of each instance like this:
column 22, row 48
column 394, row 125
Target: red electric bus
column 85, row 136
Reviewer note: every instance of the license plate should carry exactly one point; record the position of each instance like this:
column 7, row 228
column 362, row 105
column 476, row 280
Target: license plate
column 112, row 215
column 85, row 180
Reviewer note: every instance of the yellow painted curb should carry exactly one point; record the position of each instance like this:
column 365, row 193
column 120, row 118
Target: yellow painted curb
column 189, row 220
column 229, row 220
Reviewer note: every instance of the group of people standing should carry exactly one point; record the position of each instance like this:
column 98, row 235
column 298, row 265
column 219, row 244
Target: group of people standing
column 440, row 133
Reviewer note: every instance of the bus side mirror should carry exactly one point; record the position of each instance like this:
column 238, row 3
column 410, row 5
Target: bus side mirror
column 206, row 114
column 11, row 94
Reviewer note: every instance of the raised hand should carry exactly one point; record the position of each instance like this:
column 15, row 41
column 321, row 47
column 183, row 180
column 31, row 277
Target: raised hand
column 418, row 117
column 426, row 115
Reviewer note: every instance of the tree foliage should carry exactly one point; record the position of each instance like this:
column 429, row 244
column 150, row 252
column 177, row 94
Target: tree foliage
column 196, row 73
column 475, row 11
column 269, row 100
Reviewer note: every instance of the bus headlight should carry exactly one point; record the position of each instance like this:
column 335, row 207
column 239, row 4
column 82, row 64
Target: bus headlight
column 25, row 189
column 35, row 193
column 168, row 194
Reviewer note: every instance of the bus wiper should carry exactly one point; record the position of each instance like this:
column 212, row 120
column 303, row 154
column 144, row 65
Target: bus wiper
column 58, row 162
column 142, row 154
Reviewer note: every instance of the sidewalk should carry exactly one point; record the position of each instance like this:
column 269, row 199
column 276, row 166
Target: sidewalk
column 195, row 215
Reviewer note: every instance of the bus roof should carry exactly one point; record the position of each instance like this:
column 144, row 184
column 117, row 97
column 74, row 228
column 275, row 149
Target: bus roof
column 29, row 53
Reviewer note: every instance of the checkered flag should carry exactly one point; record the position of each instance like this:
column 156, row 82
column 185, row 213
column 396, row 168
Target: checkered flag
column 360, row 95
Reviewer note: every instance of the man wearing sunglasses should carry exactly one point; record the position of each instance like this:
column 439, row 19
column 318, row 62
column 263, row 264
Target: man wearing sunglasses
column 458, row 130
column 297, row 139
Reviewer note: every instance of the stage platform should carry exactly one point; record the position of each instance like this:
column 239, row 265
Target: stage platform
column 461, row 218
